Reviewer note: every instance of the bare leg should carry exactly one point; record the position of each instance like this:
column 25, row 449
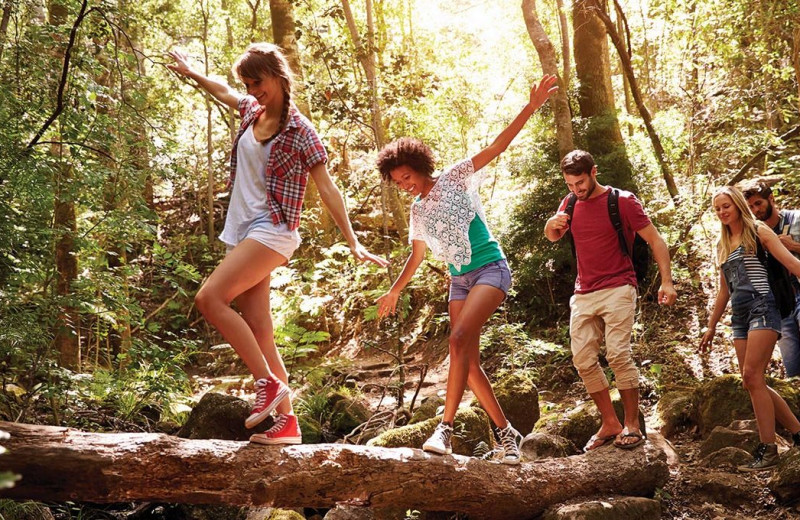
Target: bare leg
column 255, row 308
column 610, row 422
column 757, row 352
column 467, row 318
column 242, row 269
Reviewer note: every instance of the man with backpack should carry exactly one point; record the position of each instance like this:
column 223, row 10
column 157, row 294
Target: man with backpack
column 605, row 289
column 786, row 224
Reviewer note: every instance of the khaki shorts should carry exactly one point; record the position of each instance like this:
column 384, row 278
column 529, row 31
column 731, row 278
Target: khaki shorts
column 609, row 313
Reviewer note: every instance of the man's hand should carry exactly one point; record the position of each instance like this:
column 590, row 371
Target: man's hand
column 667, row 295
column 557, row 225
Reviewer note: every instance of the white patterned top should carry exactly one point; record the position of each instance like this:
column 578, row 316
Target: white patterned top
column 442, row 218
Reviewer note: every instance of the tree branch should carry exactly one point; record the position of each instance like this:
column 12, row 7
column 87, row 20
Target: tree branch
column 62, row 85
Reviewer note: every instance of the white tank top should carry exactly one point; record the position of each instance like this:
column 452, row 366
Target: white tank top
column 248, row 205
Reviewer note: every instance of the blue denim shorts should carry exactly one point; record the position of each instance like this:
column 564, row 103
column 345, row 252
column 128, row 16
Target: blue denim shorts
column 754, row 312
column 496, row 274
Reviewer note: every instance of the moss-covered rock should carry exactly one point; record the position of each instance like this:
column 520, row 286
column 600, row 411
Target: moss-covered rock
column 428, row 409
column 676, row 411
column 580, row 423
column 347, row 412
column 719, row 401
column 538, row 445
column 219, row 416
column 785, row 481
column 519, row 399
column 311, row 429
column 285, row 514
column 789, row 390
column 471, row 426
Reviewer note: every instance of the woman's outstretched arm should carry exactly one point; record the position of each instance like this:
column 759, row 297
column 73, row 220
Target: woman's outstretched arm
column 539, row 94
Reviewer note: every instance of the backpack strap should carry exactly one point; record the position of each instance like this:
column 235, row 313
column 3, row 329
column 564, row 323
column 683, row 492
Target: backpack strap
column 569, row 209
column 616, row 221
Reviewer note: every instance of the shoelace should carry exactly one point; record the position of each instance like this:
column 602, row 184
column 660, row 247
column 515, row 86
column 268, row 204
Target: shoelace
column 758, row 454
column 508, row 439
column 261, row 395
column 444, row 432
column 280, row 422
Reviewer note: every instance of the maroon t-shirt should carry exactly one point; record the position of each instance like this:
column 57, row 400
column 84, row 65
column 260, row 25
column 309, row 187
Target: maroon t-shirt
column 601, row 262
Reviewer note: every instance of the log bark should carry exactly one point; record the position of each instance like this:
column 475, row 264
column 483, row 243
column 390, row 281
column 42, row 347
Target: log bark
column 60, row 464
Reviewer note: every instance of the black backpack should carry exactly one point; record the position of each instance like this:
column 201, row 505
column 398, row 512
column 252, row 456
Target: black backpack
column 638, row 252
column 780, row 281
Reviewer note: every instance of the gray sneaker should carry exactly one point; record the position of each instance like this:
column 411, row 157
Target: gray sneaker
column 764, row 457
column 510, row 440
column 439, row 442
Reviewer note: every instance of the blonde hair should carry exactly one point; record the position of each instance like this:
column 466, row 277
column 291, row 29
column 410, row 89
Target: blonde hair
column 261, row 60
column 749, row 225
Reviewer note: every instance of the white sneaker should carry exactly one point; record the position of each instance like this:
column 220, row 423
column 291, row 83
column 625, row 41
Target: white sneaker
column 510, row 440
column 439, row 442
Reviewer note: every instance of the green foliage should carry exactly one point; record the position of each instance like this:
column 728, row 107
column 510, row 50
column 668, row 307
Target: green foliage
column 543, row 271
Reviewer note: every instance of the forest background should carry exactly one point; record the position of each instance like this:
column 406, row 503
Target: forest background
column 113, row 174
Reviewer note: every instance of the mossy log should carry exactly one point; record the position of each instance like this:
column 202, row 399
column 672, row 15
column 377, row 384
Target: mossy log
column 61, row 464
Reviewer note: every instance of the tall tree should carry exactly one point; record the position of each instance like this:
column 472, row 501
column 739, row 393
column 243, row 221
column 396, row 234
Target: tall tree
column 367, row 58
column 627, row 67
column 547, row 57
column 283, row 34
column 596, row 97
column 64, row 222
column 566, row 55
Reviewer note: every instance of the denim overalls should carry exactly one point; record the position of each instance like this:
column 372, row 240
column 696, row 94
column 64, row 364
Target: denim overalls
column 751, row 309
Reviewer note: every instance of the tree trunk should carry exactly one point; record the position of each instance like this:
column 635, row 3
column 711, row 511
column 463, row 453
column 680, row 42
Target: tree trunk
column 210, row 231
column 283, row 29
column 366, row 56
column 658, row 149
column 8, row 6
column 61, row 464
column 547, row 56
column 566, row 55
column 796, row 60
column 596, row 97
column 64, row 219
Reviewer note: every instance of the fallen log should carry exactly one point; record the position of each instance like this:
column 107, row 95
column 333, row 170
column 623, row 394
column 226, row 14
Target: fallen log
column 61, row 464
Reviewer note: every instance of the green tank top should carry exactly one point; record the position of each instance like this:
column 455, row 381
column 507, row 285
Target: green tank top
column 485, row 249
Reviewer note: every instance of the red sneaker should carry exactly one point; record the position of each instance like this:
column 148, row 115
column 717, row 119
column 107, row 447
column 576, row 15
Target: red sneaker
column 285, row 431
column 269, row 394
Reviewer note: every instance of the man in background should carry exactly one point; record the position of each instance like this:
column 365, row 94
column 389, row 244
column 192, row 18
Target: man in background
column 786, row 224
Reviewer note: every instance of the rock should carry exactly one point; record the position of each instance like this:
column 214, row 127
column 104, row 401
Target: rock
column 785, row 480
column 580, row 423
column 723, row 488
column 471, row 427
column 719, row 401
column 285, row 514
column 675, row 411
column 616, row 508
column 789, row 390
column 721, row 437
column 259, row 513
column 12, row 510
column 311, row 429
column 219, row 416
column 519, row 399
column 364, row 513
column 537, row 445
column 728, row 458
column 428, row 409
column 347, row 413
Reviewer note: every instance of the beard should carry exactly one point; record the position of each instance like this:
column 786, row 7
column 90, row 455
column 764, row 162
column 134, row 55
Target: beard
column 768, row 211
column 589, row 190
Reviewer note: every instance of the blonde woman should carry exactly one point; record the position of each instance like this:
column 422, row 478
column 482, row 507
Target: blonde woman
column 755, row 319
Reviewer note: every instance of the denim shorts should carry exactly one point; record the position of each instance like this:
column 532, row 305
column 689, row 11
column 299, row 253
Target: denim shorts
column 496, row 274
column 754, row 312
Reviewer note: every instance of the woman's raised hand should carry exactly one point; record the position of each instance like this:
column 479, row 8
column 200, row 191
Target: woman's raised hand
column 181, row 65
column 542, row 90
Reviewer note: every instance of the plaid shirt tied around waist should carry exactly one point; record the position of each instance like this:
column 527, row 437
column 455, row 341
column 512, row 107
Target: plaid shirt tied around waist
column 295, row 151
